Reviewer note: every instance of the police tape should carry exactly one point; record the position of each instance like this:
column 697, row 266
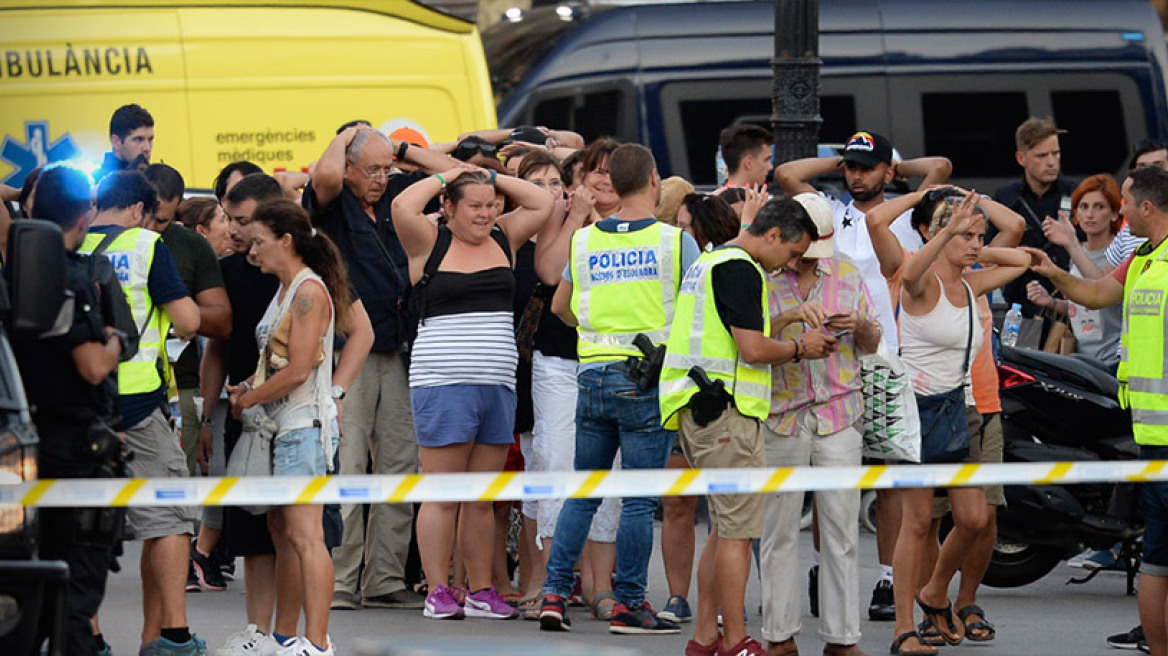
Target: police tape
column 515, row 486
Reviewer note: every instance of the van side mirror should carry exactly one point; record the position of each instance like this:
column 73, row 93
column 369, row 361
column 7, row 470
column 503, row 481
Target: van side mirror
column 35, row 272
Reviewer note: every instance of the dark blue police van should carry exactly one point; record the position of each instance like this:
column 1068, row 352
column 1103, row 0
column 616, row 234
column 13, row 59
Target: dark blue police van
column 938, row 77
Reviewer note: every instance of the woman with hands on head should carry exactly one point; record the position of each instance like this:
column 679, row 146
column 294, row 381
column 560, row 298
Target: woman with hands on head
column 462, row 373
column 939, row 336
column 1095, row 210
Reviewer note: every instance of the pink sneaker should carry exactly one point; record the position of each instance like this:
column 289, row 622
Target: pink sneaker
column 459, row 593
column 487, row 603
column 441, row 605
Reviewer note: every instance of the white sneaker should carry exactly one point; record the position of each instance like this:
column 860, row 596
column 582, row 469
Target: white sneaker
column 303, row 647
column 249, row 642
column 1080, row 559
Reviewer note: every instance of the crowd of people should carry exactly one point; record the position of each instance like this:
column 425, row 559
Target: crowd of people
column 521, row 299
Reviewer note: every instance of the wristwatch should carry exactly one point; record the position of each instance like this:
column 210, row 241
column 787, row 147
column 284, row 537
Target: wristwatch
column 205, row 420
column 338, row 392
column 120, row 334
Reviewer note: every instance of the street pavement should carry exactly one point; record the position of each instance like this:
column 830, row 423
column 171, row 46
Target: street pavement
column 1047, row 618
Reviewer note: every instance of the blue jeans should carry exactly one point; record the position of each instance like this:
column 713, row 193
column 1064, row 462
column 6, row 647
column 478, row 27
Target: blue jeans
column 612, row 413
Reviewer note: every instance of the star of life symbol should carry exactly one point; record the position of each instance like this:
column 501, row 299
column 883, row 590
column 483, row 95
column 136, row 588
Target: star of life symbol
column 35, row 151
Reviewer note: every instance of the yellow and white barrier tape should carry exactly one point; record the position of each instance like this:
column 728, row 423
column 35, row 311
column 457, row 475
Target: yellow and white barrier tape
column 508, row 486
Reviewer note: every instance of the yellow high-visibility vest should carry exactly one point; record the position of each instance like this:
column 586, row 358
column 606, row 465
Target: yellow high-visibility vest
column 1144, row 388
column 623, row 283
column 132, row 254
column 699, row 338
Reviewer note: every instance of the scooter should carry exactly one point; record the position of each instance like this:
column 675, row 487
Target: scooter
column 1062, row 408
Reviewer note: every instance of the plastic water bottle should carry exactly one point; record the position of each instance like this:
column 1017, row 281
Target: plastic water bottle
column 1011, row 325
column 720, row 168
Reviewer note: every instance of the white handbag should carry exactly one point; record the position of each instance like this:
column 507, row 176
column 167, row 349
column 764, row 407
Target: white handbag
column 891, row 425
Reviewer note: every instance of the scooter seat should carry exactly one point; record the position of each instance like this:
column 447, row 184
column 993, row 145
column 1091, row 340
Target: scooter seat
column 1064, row 368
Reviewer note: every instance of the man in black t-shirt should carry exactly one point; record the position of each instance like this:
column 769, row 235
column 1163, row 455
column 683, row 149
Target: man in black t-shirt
column 349, row 198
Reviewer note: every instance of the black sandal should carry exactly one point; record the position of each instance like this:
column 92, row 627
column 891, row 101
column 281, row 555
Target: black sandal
column 894, row 650
column 954, row 637
column 928, row 633
column 983, row 625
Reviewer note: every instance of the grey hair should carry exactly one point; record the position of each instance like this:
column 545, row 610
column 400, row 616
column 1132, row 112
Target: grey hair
column 353, row 152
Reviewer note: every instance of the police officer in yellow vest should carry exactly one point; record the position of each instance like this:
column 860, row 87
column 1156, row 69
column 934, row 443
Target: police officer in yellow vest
column 716, row 389
column 621, row 280
column 1141, row 284
column 158, row 299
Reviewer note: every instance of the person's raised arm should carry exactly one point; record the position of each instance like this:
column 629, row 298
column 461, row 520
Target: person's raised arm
column 292, row 182
column 1009, row 224
column 328, row 175
column 535, row 207
column 551, row 249
column 794, row 175
column 915, row 276
column 934, row 170
column 879, row 220
column 415, row 231
column 1001, row 265
column 1061, row 232
column 1093, row 294
column 428, row 160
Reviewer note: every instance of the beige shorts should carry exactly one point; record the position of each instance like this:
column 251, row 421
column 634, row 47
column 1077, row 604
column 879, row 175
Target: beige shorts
column 986, row 444
column 158, row 454
column 730, row 441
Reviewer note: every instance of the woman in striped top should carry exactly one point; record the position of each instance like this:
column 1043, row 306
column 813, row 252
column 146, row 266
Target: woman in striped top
column 462, row 374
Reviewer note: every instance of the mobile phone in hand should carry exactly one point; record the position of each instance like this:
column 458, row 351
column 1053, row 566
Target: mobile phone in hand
column 842, row 333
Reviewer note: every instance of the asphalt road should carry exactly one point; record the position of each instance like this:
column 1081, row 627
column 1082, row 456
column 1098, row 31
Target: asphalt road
column 1046, row 618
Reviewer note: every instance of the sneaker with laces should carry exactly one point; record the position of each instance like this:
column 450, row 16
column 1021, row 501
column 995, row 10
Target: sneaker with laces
column 193, row 647
column 676, row 610
column 813, row 589
column 303, row 647
column 1102, row 559
column 1129, row 640
column 747, row 646
column 193, row 579
column 695, row 648
column 459, row 593
column 487, row 603
column 249, row 642
column 207, row 573
column 883, row 606
column 640, row 621
column 553, row 613
column 441, row 605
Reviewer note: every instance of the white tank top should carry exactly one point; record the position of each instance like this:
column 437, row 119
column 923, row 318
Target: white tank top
column 932, row 345
column 311, row 401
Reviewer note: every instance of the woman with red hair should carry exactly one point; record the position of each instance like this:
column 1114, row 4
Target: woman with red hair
column 1095, row 206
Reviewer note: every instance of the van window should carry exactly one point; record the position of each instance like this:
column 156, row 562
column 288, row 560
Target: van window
column 592, row 115
column 974, row 130
column 1095, row 126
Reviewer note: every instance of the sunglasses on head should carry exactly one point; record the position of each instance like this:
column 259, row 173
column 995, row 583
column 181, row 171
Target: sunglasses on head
column 941, row 193
column 468, row 149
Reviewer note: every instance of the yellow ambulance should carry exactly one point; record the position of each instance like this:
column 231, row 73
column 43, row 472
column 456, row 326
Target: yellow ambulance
column 228, row 81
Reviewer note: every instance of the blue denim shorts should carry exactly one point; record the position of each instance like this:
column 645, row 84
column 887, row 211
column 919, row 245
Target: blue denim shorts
column 299, row 453
column 457, row 414
column 1155, row 557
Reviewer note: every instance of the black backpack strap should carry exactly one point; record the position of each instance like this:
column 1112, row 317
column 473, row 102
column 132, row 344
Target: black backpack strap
column 418, row 292
column 500, row 238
